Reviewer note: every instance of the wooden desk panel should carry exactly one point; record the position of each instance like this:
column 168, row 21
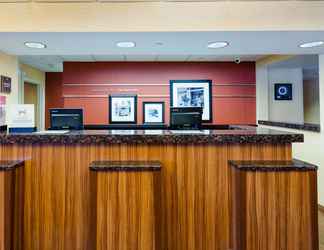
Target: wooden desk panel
column 11, row 208
column 274, row 210
column 195, row 199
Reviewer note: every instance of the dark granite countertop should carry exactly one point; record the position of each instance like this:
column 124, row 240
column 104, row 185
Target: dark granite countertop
column 231, row 136
column 7, row 165
column 299, row 126
column 272, row 166
column 120, row 166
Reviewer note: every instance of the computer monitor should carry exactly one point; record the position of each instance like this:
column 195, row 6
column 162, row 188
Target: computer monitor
column 66, row 119
column 185, row 117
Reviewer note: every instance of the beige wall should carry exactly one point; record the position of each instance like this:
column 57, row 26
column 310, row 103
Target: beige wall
column 36, row 76
column 312, row 149
column 9, row 67
column 33, row 73
column 163, row 16
column 311, row 101
column 286, row 111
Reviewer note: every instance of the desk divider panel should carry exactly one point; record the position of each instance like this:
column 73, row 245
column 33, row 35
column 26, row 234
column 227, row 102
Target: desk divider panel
column 274, row 205
column 126, row 204
column 11, row 204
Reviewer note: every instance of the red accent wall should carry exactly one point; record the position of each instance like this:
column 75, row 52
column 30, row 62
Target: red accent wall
column 88, row 84
column 53, row 93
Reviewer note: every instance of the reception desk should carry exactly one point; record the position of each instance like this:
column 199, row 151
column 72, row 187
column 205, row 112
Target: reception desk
column 195, row 201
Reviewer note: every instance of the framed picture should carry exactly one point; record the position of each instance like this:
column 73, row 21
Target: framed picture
column 122, row 109
column 192, row 93
column 5, row 84
column 283, row 91
column 153, row 112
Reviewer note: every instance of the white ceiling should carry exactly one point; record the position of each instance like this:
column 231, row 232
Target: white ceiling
column 55, row 63
column 176, row 46
column 308, row 63
column 301, row 61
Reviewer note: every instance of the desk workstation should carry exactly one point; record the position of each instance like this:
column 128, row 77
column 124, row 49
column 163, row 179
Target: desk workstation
column 177, row 187
column 122, row 157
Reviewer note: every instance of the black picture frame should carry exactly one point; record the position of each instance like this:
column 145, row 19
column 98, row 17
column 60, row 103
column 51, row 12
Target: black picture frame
column 111, row 118
column 210, row 99
column 287, row 95
column 5, row 83
column 163, row 112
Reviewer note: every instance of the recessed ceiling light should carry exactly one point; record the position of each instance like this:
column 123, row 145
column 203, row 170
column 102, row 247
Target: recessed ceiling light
column 311, row 44
column 217, row 45
column 126, row 44
column 159, row 43
column 35, row 45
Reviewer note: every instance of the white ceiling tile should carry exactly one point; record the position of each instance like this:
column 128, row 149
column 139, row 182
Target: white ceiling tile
column 140, row 58
column 108, row 58
column 77, row 58
column 172, row 58
column 222, row 58
column 156, row 46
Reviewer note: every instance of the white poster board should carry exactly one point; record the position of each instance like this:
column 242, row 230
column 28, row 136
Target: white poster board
column 21, row 116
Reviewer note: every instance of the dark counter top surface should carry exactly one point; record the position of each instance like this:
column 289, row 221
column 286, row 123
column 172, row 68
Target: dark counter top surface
column 299, row 126
column 272, row 166
column 7, row 165
column 243, row 134
column 123, row 166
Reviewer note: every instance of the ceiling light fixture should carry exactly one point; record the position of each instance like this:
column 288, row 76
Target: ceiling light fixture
column 35, row 45
column 126, row 44
column 159, row 43
column 311, row 44
column 217, row 45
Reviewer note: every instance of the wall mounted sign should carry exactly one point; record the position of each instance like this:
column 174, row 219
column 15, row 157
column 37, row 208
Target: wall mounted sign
column 122, row 109
column 283, row 91
column 153, row 112
column 192, row 93
column 5, row 84
column 2, row 110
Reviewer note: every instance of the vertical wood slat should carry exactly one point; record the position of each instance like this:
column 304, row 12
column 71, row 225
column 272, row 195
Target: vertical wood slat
column 125, row 212
column 11, row 208
column 195, row 205
column 6, row 208
column 274, row 210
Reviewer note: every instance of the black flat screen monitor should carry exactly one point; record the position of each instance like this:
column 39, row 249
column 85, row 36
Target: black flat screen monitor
column 186, row 117
column 66, row 119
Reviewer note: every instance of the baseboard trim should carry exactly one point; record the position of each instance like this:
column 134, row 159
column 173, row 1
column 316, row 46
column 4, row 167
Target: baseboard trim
column 321, row 208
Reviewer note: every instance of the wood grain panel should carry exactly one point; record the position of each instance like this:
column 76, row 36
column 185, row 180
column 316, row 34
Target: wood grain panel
column 125, row 210
column 11, row 209
column 274, row 210
column 195, row 205
column 7, row 202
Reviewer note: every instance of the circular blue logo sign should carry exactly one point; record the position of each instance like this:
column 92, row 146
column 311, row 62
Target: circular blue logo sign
column 283, row 90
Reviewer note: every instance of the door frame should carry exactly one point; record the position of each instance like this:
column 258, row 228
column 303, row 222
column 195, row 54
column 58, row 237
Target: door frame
column 40, row 96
